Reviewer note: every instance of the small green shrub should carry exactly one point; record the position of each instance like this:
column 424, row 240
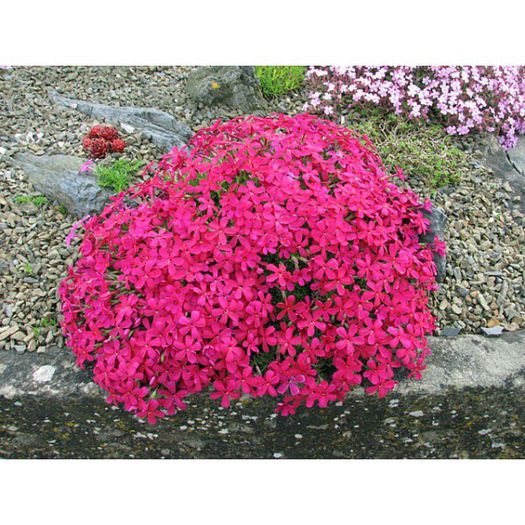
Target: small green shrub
column 37, row 200
column 117, row 175
column 419, row 148
column 277, row 80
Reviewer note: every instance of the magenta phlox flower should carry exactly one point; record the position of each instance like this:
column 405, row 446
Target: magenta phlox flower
column 273, row 257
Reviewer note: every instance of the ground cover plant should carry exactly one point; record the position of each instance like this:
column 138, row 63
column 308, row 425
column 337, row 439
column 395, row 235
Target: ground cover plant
column 37, row 200
column 422, row 149
column 118, row 175
column 274, row 257
column 462, row 99
column 278, row 80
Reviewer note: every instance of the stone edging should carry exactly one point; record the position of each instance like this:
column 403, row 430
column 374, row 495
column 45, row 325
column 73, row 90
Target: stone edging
column 460, row 362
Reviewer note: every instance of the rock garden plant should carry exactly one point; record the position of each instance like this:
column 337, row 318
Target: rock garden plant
column 273, row 257
column 424, row 150
column 463, row 99
column 101, row 140
column 117, row 175
column 278, row 80
column 37, row 200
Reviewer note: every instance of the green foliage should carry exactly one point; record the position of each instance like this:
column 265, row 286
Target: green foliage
column 195, row 182
column 420, row 149
column 28, row 268
column 118, row 175
column 277, row 80
column 261, row 360
column 45, row 322
column 37, row 200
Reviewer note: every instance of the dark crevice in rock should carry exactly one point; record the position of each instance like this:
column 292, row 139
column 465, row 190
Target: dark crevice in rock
column 513, row 164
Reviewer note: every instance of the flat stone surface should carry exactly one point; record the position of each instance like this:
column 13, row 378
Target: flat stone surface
column 44, row 374
column 450, row 331
column 472, row 361
column 492, row 331
column 470, row 403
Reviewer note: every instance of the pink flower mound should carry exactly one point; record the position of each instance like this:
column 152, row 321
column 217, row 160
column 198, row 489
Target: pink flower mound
column 462, row 98
column 273, row 258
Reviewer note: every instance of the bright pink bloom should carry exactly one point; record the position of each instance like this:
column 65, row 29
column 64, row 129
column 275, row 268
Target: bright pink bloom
column 272, row 257
column 87, row 166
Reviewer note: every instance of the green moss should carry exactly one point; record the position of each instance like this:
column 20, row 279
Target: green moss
column 278, row 80
column 420, row 149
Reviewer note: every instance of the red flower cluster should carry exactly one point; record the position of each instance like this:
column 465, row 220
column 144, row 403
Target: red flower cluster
column 101, row 140
column 275, row 257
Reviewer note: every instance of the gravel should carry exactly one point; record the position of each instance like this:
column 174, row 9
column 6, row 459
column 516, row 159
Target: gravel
column 484, row 284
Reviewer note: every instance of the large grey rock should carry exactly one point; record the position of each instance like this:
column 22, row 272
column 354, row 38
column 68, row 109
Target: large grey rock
column 438, row 223
column 58, row 178
column 507, row 165
column 160, row 127
column 232, row 86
